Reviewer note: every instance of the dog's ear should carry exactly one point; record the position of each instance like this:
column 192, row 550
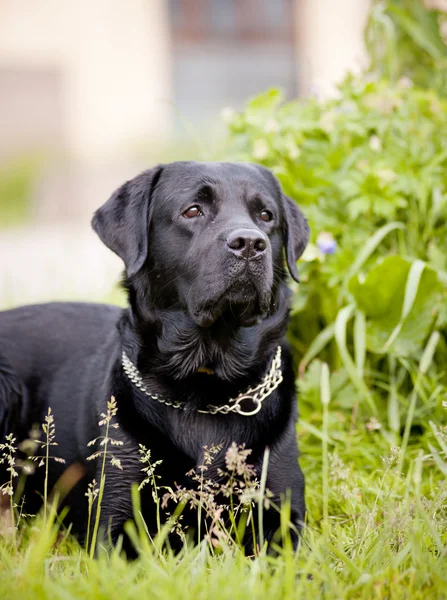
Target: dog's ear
column 122, row 222
column 295, row 234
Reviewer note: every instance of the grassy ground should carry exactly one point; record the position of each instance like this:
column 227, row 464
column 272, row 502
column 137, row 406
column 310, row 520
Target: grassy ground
column 376, row 524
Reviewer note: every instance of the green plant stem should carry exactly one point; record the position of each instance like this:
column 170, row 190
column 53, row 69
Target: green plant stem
column 11, row 502
column 262, row 487
column 87, row 537
column 325, row 391
column 199, row 512
column 100, row 495
column 45, row 490
column 424, row 365
column 325, row 459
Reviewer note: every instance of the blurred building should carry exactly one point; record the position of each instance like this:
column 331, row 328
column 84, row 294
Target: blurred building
column 329, row 36
column 92, row 90
column 225, row 51
column 81, row 83
column 88, row 84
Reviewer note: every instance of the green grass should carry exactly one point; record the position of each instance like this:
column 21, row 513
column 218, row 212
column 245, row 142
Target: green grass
column 17, row 179
column 376, row 523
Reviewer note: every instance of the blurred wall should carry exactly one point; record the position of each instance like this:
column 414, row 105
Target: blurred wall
column 329, row 42
column 84, row 81
column 84, row 84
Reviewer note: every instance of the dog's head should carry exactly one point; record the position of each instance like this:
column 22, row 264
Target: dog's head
column 208, row 237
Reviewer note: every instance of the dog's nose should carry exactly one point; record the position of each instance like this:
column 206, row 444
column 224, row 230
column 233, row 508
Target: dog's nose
column 247, row 243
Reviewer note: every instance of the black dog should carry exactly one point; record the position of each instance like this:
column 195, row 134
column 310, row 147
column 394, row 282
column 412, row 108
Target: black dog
column 203, row 247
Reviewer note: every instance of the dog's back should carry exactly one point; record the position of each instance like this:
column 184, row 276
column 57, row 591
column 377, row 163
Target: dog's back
column 47, row 352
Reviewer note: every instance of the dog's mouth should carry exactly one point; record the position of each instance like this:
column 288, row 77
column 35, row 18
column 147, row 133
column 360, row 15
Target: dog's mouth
column 240, row 303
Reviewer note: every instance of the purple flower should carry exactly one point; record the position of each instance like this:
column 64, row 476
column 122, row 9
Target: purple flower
column 326, row 243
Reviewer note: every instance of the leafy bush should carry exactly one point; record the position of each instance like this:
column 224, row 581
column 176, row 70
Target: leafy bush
column 408, row 38
column 369, row 171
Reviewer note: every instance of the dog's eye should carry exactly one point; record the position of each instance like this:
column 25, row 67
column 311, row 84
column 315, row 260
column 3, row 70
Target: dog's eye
column 266, row 215
column 193, row 211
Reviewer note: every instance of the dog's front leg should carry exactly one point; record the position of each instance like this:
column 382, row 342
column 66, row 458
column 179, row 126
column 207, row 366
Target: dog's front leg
column 285, row 482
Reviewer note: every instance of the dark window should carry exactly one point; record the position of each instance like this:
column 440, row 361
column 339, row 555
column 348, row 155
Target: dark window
column 240, row 20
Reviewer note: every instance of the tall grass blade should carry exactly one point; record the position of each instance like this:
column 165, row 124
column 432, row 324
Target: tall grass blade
column 419, row 34
column 393, row 401
column 411, row 290
column 360, row 342
column 317, row 345
column 442, row 465
column 325, row 391
column 429, row 352
column 440, row 439
column 341, row 323
column 262, row 488
column 424, row 364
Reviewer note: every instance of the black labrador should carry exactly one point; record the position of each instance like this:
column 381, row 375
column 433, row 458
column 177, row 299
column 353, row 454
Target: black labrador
column 198, row 359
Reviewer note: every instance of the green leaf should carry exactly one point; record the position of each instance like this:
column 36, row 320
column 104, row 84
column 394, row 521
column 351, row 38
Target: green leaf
column 411, row 290
column 267, row 101
column 422, row 36
column 397, row 305
column 341, row 323
column 370, row 246
column 318, row 344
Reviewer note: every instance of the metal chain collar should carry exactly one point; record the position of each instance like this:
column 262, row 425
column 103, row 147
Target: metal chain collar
column 254, row 395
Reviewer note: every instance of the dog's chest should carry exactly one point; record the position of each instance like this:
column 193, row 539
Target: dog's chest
column 196, row 434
